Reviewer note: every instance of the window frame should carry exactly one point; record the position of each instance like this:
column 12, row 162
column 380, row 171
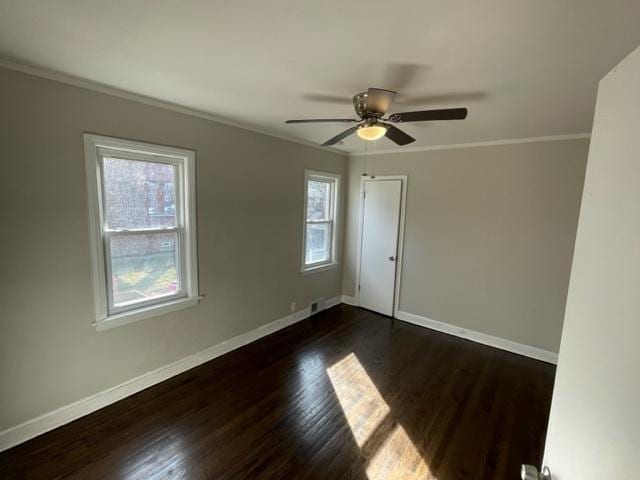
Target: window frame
column 98, row 147
column 332, row 262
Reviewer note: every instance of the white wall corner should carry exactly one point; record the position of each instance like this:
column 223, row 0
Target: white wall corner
column 485, row 339
column 349, row 300
column 63, row 415
column 333, row 301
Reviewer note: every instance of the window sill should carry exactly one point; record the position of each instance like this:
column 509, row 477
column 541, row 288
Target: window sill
column 145, row 312
column 321, row 268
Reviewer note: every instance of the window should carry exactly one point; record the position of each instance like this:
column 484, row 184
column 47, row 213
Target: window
column 142, row 201
column 319, row 233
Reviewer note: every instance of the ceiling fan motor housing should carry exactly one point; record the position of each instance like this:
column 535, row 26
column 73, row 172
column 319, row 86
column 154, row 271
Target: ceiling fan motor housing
column 362, row 108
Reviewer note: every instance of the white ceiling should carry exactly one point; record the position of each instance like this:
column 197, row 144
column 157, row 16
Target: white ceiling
column 524, row 68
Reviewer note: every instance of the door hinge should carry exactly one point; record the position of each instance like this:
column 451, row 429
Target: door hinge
column 364, row 194
column 529, row 472
column 358, row 287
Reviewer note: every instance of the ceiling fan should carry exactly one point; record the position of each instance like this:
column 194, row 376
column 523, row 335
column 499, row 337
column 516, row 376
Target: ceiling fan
column 371, row 106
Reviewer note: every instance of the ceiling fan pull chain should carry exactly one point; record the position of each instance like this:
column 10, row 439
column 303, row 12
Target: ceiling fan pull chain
column 366, row 158
column 373, row 159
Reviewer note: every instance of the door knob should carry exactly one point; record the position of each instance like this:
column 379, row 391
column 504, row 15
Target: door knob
column 392, row 258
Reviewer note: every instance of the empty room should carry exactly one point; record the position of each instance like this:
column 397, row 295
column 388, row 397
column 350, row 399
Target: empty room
column 320, row 240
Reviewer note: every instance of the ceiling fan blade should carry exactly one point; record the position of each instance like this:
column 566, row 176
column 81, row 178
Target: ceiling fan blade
column 398, row 136
column 323, row 120
column 429, row 115
column 379, row 100
column 340, row 136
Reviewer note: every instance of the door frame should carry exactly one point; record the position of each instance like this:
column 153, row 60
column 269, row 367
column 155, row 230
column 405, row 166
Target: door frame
column 399, row 254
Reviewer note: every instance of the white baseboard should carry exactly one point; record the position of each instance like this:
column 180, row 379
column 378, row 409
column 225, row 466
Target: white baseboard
column 56, row 418
column 497, row 342
column 332, row 302
column 349, row 300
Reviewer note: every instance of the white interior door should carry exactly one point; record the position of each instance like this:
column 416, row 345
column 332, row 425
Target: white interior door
column 379, row 249
column 594, row 429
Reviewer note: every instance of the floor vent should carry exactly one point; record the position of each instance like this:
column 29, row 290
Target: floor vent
column 317, row 305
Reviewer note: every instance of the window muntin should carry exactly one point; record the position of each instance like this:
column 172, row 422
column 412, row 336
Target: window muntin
column 143, row 226
column 321, row 190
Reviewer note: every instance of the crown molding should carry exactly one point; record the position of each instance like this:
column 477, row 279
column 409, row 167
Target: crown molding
column 490, row 143
column 154, row 102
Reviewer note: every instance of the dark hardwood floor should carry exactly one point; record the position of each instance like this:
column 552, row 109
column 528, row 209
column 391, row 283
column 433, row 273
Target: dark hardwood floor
column 346, row 394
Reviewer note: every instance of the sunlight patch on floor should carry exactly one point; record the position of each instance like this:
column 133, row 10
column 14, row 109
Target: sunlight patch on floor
column 360, row 400
column 391, row 453
column 398, row 458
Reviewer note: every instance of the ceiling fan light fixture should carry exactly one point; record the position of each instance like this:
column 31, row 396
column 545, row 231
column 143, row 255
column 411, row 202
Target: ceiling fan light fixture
column 371, row 106
column 372, row 132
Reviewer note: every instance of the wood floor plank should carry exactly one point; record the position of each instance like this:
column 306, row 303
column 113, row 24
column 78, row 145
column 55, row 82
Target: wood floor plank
column 346, row 394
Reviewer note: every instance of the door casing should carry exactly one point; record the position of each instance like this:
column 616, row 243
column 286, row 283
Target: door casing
column 400, row 256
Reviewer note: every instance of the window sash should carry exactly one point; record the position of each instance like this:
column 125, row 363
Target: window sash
column 97, row 148
column 179, row 179
column 332, row 180
column 109, row 233
column 180, row 256
column 329, row 208
column 329, row 260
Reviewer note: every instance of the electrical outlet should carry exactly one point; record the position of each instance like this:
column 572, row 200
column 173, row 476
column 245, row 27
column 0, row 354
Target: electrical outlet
column 293, row 306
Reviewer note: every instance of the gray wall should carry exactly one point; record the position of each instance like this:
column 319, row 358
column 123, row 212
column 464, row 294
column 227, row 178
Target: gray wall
column 489, row 235
column 247, row 183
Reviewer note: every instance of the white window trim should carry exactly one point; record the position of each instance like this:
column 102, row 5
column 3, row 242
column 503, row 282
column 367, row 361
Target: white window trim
column 132, row 149
column 335, row 207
